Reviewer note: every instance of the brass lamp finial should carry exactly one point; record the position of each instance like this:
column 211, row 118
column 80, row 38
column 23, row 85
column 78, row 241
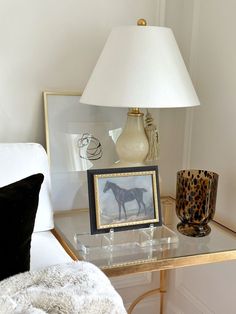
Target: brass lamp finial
column 142, row 22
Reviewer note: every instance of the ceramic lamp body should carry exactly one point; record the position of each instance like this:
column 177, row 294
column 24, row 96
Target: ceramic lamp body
column 132, row 145
column 195, row 201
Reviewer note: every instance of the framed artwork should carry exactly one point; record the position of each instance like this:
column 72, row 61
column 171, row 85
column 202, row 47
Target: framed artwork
column 78, row 137
column 123, row 198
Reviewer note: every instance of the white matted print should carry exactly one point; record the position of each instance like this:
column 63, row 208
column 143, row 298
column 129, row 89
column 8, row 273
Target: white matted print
column 78, row 137
column 137, row 205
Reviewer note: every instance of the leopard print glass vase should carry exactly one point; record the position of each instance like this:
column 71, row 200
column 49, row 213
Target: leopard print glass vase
column 195, row 201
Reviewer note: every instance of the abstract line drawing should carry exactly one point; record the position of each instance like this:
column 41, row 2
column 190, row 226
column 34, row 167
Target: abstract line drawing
column 90, row 147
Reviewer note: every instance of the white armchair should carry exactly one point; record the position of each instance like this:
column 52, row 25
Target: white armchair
column 19, row 160
column 55, row 283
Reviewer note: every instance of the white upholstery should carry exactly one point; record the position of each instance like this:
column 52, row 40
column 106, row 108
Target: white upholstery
column 46, row 251
column 19, row 160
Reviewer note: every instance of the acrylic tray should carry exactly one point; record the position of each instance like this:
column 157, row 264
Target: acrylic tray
column 124, row 243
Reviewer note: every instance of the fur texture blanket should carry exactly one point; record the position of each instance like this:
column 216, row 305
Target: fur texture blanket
column 77, row 287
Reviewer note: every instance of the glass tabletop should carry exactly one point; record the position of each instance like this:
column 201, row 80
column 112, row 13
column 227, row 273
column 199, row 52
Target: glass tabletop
column 167, row 249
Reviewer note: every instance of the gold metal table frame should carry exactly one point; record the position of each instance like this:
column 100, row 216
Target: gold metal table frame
column 219, row 246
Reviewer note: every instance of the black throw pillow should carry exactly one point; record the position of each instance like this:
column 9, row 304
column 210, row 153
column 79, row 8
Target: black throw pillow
column 18, row 207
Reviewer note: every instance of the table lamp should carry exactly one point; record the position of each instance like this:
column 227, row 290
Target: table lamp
column 139, row 67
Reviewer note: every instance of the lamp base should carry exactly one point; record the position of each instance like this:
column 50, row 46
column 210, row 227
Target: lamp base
column 132, row 145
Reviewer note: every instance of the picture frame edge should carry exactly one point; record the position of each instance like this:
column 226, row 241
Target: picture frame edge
column 92, row 202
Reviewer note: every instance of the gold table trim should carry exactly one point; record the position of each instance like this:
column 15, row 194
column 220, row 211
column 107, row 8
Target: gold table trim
column 148, row 265
column 167, row 263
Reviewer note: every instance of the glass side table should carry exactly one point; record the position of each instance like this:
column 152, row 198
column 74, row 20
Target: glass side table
column 137, row 255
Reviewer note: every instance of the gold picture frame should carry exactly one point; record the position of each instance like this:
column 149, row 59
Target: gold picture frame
column 123, row 198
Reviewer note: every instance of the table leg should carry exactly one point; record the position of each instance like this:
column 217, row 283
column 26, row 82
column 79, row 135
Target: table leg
column 163, row 284
column 141, row 297
column 161, row 290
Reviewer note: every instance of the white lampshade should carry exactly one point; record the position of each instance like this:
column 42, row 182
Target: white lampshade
column 140, row 67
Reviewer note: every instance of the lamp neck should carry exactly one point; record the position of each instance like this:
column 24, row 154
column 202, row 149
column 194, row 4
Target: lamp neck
column 135, row 112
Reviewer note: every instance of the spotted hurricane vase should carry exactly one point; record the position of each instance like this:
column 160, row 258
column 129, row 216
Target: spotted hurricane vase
column 196, row 192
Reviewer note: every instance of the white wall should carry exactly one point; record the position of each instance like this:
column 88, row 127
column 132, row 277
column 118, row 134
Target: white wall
column 53, row 45
column 172, row 121
column 213, row 142
column 209, row 45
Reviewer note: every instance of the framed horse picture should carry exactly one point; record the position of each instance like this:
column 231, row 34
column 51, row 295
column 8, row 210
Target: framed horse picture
column 123, row 198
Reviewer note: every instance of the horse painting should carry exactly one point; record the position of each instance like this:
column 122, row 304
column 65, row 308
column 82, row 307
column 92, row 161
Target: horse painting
column 123, row 196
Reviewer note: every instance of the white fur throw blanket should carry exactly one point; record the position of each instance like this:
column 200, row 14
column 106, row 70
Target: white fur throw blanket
column 77, row 287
